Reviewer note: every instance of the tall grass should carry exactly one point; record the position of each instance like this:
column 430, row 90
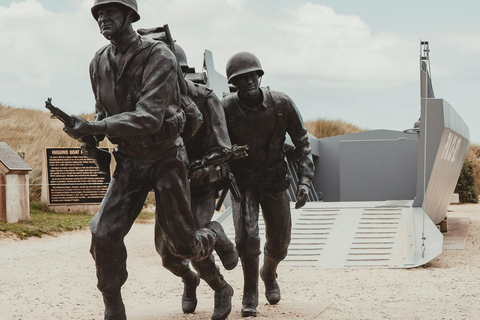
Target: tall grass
column 323, row 128
column 31, row 131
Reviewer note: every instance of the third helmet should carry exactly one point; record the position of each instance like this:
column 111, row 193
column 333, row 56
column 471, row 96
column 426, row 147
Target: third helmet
column 241, row 63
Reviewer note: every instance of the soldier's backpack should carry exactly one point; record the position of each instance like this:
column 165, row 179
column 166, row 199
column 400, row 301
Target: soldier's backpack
column 194, row 118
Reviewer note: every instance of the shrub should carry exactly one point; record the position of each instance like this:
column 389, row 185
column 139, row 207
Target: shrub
column 466, row 189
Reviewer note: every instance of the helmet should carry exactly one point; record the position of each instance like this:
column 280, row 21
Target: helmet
column 130, row 4
column 241, row 63
column 181, row 56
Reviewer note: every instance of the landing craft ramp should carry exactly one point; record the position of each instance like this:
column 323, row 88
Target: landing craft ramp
column 377, row 234
column 377, row 195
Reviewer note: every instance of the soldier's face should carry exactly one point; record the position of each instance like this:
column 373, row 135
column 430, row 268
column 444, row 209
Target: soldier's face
column 110, row 20
column 247, row 84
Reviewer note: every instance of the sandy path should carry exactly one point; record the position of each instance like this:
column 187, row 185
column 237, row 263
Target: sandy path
column 54, row 278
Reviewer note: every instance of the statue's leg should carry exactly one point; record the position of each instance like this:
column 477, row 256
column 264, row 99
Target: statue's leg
column 203, row 203
column 250, row 287
column 278, row 226
column 119, row 209
column 203, row 207
column 179, row 267
column 245, row 218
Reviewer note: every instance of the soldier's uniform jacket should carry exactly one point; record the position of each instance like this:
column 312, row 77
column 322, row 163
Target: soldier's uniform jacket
column 263, row 129
column 137, row 94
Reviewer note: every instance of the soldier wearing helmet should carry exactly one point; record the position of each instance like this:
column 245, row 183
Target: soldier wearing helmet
column 261, row 118
column 134, row 80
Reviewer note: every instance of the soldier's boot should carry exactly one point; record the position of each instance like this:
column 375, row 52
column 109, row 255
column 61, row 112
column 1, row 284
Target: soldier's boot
column 189, row 297
column 223, row 297
column 250, row 287
column 268, row 273
column 114, row 307
column 226, row 250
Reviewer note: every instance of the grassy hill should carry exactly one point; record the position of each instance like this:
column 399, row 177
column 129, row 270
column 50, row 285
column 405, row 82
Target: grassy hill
column 31, row 131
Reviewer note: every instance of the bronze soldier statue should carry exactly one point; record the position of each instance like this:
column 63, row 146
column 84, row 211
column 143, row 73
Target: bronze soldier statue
column 134, row 80
column 261, row 118
column 209, row 140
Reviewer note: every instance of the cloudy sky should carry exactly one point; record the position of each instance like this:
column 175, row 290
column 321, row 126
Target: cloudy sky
column 338, row 59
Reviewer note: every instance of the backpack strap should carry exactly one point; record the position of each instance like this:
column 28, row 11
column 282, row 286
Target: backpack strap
column 276, row 143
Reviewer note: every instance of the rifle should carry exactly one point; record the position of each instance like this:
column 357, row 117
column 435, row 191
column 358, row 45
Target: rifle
column 227, row 155
column 101, row 157
column 233, row 187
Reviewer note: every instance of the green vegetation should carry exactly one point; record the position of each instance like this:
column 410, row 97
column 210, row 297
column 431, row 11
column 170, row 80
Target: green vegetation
column 466, row 189
column 44, row 221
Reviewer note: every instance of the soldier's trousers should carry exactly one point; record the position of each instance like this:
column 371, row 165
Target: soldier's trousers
column 203, row 207
column 277, row 218
column 134, row 177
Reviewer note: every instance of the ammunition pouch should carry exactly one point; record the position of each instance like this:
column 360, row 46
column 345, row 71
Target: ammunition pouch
column 215, row 176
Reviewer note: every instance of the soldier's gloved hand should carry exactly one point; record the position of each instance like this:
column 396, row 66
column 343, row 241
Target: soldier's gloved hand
column 302, row 195
column 82, row 128
column 200, row 173
column 89, row 151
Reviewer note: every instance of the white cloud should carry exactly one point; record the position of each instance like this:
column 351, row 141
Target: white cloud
column 339, row 50
column 310, row 42
column 24, row 9
column 36, row 48
column 236, row 4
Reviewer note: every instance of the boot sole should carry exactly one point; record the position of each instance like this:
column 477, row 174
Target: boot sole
column 249, row 313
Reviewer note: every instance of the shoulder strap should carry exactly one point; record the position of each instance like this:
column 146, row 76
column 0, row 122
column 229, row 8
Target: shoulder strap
column 231, row 109
column 276, row 143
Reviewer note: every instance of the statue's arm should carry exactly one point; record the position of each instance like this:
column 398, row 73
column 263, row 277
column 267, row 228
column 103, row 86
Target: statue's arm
column 298, row 133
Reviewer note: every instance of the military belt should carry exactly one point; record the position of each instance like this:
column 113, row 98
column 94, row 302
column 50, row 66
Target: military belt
column 264, row 175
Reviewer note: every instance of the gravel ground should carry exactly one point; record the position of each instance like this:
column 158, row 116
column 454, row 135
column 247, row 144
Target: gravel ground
column 54, row 278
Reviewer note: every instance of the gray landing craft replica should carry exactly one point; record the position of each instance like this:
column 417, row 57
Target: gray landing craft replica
column 377, row 196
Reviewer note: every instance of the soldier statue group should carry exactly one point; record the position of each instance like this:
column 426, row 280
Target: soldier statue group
column 141, row 106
